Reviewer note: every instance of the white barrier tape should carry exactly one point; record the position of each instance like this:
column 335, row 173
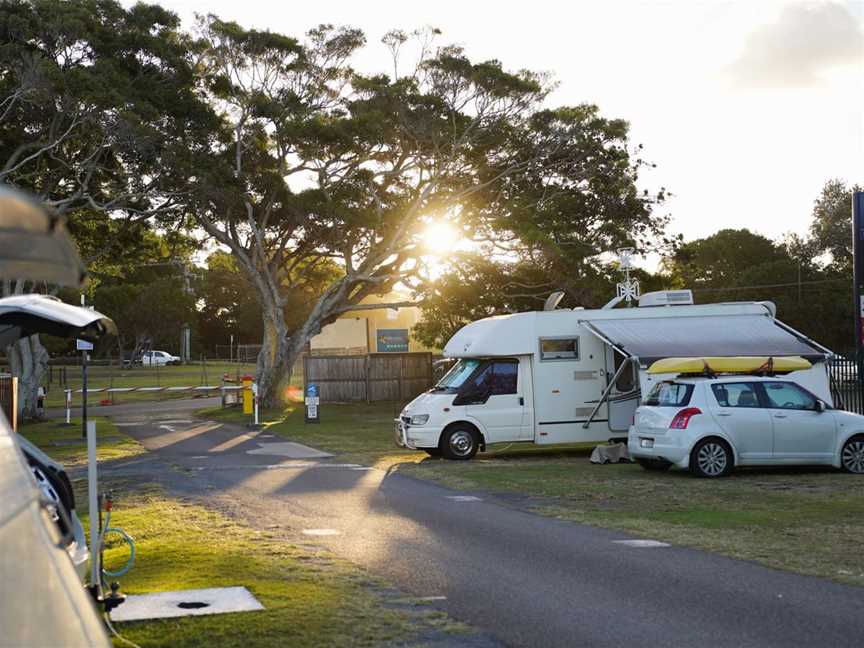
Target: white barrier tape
column 95, row 390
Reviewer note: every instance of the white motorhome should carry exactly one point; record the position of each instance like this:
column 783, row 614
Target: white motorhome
column 568, row 376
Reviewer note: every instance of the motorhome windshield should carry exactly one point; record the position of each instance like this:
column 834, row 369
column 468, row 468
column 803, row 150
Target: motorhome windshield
column 454, row 378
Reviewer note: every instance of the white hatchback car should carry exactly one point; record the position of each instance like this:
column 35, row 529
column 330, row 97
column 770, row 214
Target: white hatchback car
column 711, row 425
column 158, row 358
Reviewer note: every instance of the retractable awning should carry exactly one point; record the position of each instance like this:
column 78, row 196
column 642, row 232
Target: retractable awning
column 654, row 338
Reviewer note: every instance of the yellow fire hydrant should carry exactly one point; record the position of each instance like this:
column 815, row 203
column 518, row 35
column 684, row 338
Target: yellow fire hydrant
column 248, row 397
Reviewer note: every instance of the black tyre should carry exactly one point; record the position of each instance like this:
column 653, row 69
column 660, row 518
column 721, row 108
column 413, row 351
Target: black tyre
column 433, row 452
column 852, row 456
column 460, row 443
column 654, row 464
column 711, row 458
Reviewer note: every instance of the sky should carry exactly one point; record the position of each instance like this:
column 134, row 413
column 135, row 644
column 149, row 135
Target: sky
column 747, row 108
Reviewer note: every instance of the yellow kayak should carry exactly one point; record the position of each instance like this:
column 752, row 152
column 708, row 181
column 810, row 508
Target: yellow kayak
column 739, row 364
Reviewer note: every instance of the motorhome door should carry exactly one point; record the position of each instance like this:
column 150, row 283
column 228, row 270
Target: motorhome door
column 501, row 409
column 624, row 397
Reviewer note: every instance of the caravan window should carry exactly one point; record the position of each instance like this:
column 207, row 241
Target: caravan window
column 559, row 348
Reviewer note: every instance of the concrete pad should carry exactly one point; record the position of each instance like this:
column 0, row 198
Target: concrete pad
column 195, row 602
column 288, row 449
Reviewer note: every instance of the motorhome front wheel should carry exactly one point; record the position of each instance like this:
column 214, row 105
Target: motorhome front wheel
column 459, row 443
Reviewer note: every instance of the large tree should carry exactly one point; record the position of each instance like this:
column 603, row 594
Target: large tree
column 831, row 228
column 97, row 112
column 326, row 164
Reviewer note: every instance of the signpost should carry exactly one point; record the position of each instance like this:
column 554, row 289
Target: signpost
column 312, row 401
column 858, row 282
column 83, row 346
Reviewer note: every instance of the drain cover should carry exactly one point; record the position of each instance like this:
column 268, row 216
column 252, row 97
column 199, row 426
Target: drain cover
column 192, row 605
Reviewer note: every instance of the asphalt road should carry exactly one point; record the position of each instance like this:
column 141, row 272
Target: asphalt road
column 526, row 579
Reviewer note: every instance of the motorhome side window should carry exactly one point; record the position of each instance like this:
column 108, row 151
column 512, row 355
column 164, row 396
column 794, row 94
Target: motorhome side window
column 498, row 377
column 559, row 348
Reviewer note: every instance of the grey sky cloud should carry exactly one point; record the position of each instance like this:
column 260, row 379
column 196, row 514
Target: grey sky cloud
column 795, row 50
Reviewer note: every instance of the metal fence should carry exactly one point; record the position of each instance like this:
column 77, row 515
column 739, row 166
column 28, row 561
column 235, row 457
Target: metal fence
column 847, row 384
column 372, row 378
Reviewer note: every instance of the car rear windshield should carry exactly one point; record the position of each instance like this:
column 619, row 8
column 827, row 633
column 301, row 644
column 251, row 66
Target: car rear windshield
column 669, row 394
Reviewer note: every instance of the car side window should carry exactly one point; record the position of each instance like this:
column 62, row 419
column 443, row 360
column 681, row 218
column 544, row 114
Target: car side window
column 735, row 394
column 783, row 395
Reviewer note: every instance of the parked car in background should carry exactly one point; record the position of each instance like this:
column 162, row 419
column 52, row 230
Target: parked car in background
column 158, row 358
column 711, row 425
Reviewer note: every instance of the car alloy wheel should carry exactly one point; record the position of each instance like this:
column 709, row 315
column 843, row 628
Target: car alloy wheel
column 852, row 457
column 712, row 459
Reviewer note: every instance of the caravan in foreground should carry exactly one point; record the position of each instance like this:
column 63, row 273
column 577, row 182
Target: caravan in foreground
column 569, row 376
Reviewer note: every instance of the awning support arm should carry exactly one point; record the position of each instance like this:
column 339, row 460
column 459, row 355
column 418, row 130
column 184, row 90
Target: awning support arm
column 608, row 390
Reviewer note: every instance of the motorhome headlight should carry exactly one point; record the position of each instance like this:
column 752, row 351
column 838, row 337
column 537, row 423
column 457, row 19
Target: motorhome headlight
column 419, row 419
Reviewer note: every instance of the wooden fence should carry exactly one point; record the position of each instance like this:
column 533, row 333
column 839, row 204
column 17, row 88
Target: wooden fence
column 371, row 378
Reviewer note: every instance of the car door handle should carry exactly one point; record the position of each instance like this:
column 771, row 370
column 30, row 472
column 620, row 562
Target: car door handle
column 724, row 414
column 780, row 416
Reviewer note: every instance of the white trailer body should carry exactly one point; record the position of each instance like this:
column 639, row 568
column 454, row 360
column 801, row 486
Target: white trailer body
column 567, row 376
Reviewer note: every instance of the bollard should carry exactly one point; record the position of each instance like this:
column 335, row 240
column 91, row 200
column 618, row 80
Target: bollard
column 255, row 396
column 68, row 406
column 247, row 394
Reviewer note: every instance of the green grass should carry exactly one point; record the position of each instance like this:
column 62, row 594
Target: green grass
column 66, row 445
column 808, row 520
column 144, row 376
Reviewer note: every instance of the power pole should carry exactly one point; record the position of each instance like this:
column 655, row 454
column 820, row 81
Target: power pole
column 858, row 286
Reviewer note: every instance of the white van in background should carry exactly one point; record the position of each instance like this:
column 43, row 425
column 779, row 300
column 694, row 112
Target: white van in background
column 567, row 376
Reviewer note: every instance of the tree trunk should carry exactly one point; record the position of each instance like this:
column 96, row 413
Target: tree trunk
column 28, row 360
column 276, row 358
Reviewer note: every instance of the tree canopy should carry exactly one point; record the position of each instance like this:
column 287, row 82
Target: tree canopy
column 326, row 164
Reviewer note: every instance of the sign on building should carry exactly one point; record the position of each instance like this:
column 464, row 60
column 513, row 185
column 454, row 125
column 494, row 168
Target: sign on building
column 392, row 340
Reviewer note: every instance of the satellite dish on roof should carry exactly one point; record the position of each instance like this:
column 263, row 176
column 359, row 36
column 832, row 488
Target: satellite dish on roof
column 34, row 243
column 553, row 300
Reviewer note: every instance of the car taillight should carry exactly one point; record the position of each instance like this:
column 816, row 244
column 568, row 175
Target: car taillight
column 683, row 417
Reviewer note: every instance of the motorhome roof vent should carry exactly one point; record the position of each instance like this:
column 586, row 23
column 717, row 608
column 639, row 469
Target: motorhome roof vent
column 666, row 298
